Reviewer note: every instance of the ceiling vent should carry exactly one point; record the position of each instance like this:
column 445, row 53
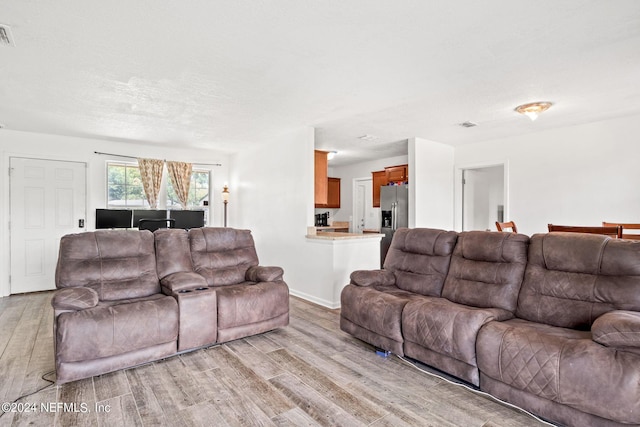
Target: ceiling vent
column 467, row 124
column 6, row 38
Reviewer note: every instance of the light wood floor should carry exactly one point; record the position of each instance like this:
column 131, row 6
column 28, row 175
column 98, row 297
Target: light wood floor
column 309, row 373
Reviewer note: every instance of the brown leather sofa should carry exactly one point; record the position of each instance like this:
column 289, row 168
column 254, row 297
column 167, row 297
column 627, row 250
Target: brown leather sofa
column 551, row 323
column 129, row 297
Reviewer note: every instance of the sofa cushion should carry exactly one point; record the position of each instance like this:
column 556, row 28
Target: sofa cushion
column 172, row 251
column 619, row 329
column 419, row 259
column 74, row 299
column 487, row 269
column 222, row 255
column 248, row 302
column 117, row 264
column 573, row 278
column 114, row 329
column 378, row 312
column 446, row 327
column 562, row 365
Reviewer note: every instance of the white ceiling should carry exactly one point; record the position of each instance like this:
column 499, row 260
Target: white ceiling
column 225, row 74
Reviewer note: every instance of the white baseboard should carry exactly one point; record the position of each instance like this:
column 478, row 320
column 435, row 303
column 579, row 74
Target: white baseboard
column 315, row 300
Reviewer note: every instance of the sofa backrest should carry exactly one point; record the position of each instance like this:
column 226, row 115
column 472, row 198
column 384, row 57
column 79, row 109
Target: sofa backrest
column 222, row 255
column 172, row 251
column 573, row 278
column 419, row 259
column 117, row 264
column 487, row 269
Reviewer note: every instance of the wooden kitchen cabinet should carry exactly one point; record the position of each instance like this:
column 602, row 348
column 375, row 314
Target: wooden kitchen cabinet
column 321, row 172
column 333, row 199
column 379, row 179
column 397, row 173
column 390, row 174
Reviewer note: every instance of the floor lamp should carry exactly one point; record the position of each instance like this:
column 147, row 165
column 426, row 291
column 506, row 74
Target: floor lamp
column 225, row 200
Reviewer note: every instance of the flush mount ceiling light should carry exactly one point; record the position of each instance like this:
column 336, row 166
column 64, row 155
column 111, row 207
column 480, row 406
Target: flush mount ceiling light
column 368, row 137
column 467, row 124
column 331, row 154
column 533, row 109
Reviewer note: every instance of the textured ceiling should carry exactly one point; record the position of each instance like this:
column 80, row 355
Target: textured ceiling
column 225, row 74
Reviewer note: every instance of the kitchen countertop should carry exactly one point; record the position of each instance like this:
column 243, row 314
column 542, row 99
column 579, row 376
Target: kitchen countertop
column 330, row 235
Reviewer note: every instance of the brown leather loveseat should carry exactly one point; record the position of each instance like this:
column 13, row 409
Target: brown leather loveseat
column 551, row 323
column 129, row 297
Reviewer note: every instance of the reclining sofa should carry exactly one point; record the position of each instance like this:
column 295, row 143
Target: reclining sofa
column 550, row 324
column 130, row 297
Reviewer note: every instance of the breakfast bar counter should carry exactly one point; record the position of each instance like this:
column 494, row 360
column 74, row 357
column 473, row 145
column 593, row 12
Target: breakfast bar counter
column 335, row 255
column 332, row 235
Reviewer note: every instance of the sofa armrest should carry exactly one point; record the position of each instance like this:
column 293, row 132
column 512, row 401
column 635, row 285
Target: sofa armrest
column 74, row 299
column 176, row 282
column 264, row 274
column 620, row 329
column 373, row 277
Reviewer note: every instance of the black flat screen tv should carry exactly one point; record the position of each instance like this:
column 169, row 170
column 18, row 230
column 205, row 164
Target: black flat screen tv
column 113, row 218
column 187, row 219
column 139, row 214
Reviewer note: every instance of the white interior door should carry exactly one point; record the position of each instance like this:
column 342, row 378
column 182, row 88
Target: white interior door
column 365, row 216
column 48, row 200
column 483, row 197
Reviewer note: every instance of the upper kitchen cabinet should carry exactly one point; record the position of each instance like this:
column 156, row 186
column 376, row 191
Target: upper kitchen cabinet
column 378, row 180
column 397, row 174
column 321, row 178
column 333, row 199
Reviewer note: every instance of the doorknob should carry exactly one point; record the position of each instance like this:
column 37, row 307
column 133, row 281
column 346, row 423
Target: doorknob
column 81, row 223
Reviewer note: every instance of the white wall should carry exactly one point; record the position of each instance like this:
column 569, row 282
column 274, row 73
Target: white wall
column 430, row 184
column 272, row 191
column 578, row 175
column 41, row 146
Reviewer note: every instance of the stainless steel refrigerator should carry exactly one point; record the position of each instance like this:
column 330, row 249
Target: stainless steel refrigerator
column 394, row 209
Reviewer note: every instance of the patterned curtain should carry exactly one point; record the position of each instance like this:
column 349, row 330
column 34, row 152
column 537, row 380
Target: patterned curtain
column 151, row 174
column 180, row 174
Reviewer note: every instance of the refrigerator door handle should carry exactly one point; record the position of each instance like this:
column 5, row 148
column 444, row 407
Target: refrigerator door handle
column 394, row 215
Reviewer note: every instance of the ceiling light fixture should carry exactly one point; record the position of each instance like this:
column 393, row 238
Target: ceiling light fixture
column 467, row 124
column 331, row 154
column 534, row 109
column 368, row 137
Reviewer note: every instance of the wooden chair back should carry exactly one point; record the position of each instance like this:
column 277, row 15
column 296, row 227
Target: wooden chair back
column 509, row 224
column 614, row 231
column 625, row 226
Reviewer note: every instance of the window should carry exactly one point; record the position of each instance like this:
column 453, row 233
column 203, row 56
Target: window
column 125, row 190
column 124, row 186
column 198, row 191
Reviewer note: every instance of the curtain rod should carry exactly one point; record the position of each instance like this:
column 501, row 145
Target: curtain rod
column 134, row 157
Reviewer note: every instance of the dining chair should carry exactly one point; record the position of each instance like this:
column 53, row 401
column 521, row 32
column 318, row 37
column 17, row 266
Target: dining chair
column 615, row 231
column 509, row 224
column 625, row 226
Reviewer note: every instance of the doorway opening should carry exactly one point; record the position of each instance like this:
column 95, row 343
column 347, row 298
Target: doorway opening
column 483, row 194
column 365, row 216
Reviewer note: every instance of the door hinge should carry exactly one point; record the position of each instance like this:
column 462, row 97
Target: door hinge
column 464, row 181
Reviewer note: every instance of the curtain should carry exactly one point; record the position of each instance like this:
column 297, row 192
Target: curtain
column 180, row 174
column 151, row 174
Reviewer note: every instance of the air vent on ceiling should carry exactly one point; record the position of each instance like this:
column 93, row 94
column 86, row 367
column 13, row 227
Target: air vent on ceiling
column 467, row 124
column 6, row 38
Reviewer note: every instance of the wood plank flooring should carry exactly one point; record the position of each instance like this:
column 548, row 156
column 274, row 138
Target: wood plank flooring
column 307, row 374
